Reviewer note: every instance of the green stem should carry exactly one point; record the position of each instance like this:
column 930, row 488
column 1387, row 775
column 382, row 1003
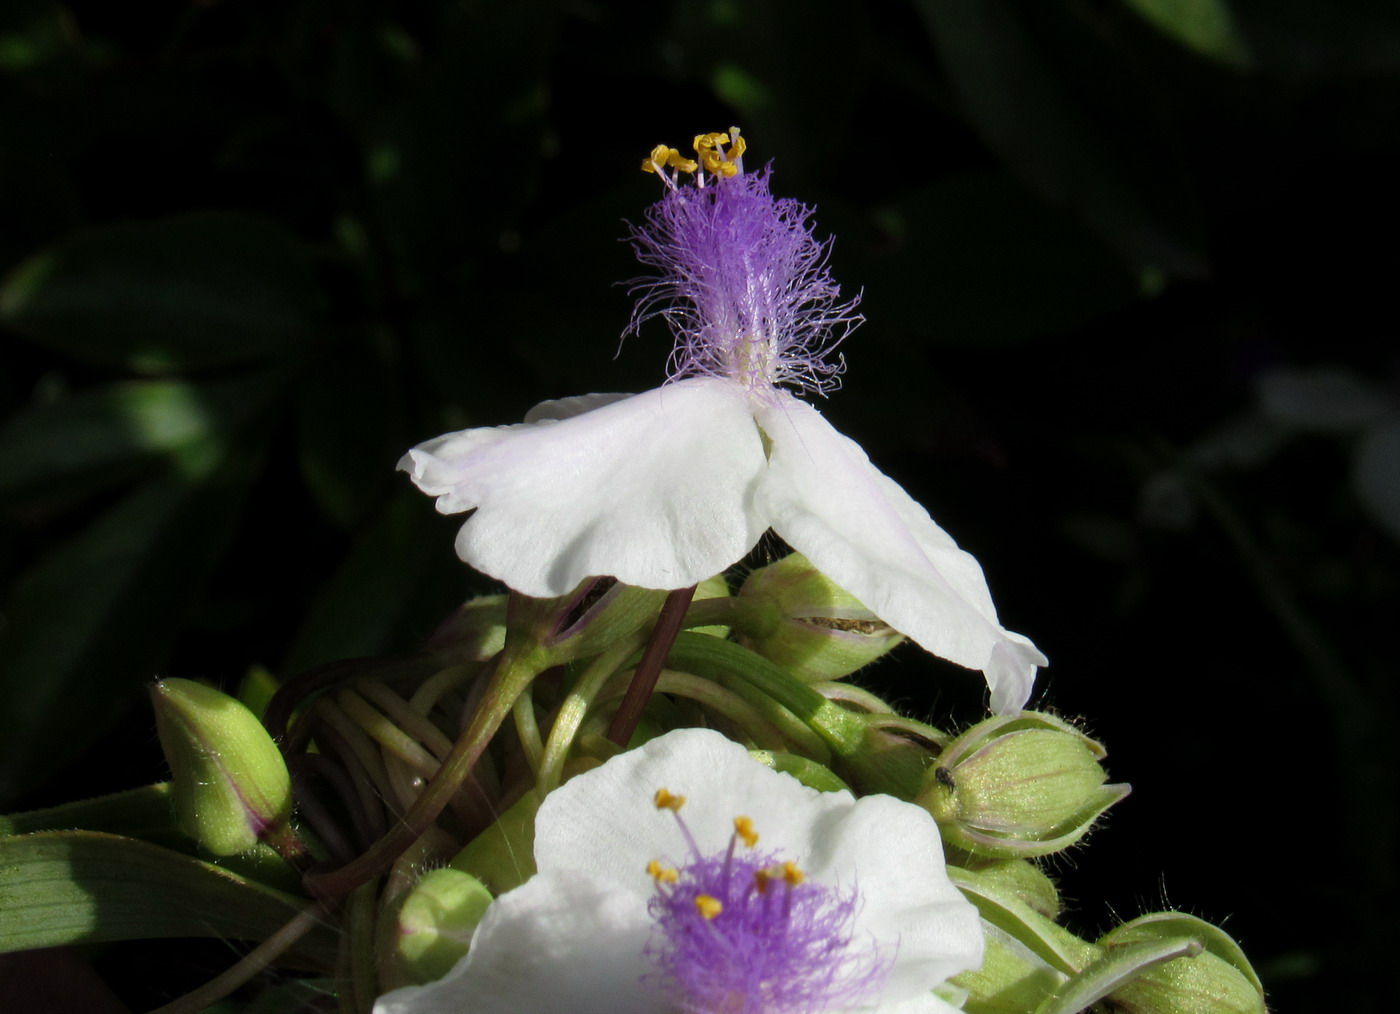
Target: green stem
column 754, row 723
column 514, row 672
column 527, row 727
column 574, row 709
column 357, row 949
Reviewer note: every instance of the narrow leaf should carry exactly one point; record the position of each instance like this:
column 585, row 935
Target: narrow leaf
column 68, row 887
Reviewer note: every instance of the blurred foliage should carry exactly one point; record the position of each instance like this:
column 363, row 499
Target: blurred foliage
column 253, row 251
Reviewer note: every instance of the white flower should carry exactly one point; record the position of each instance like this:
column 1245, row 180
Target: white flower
column 593, row 932
column 668, row 488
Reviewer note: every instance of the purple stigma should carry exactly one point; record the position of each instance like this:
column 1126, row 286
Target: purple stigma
column 743, row 284
column 737, row 936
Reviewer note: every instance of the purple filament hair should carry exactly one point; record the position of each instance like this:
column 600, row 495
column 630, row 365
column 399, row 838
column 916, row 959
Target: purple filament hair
column 743, row 285
column 775, row 947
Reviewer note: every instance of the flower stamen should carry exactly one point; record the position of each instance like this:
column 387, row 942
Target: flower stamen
column 727, row 942
column 741, row 280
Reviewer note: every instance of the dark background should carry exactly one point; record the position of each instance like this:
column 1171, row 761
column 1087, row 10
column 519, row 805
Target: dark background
column 1128, row 274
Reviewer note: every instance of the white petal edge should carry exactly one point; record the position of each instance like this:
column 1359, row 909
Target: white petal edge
column 560, row 942
column 655, row 490
column 826, row 500
column 892, row 853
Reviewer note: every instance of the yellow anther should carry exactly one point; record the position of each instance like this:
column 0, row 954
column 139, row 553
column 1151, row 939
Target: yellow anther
column 662, row 874
column 685, row 165
column 708, row 906
column 725, row 169
column 792, row 874
column 761, row 880
column 737, row 147
column 709, row 142
column 743, row 827
column 666, row 801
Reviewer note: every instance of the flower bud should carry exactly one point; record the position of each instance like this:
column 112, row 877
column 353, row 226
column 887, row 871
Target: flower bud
column 796, row 616
column 435, row 924
column 1018, row 786
column 1218, row 980
column 230, row 785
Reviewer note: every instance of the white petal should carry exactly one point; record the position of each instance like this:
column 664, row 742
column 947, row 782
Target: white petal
column 892, row 853
column 923, row 1004
column 655, row 490
column 557, row 943
column 826, row 500
column 605, row 820
column 567, row 408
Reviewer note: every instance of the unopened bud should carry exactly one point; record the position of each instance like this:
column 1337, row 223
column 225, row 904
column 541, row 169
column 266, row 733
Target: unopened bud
column 1018, row 786
column 796, row 616
column 435, row 924
column 1217, row 980
column 230, row 785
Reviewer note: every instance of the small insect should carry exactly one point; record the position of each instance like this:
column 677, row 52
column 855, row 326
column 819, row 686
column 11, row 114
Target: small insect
column 945, row 778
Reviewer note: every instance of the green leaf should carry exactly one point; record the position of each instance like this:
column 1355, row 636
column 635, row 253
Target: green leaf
column 143, row 813
column 1073, row 120
column 96, row 617
column 81, row 443
column 1206, row 27
column 69, row 887
column 189, row 293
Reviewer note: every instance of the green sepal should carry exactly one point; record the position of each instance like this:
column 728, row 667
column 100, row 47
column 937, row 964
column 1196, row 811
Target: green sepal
column 1010, row 980
column 1219, row 980
column 576, row 625
column 1000, row 907
column 1115, row 969
column 503, row 856
column 70, row 887
column 1022, row 880
column 1179, row 924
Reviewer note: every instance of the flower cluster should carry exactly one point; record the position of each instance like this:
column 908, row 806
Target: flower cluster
column 625, row 787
